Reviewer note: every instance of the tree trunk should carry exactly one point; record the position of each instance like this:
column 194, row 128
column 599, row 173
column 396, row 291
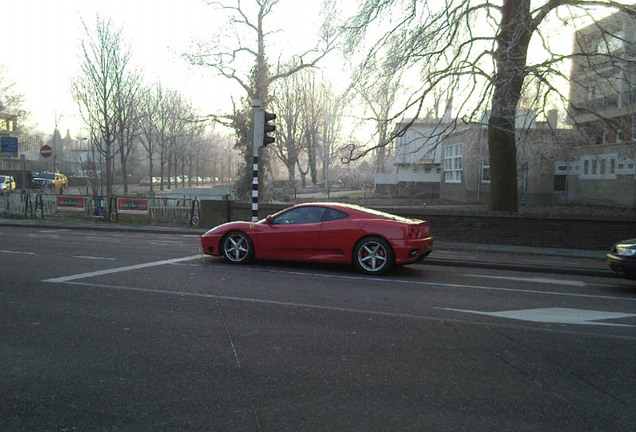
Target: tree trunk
column 124, row 174
column 513, row 40
column 150, row 174
column 311, row 156
column 291, row 174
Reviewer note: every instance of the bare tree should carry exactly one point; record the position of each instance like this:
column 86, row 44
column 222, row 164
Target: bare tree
column 378, row 87
column 104, row 70
column 287, row 104
column 312, row 115
column 164, row 103
column 149, row 122
column 127, row 118
column 478, row 53
column 330, row 131
column 11, row 100
column 227, row 61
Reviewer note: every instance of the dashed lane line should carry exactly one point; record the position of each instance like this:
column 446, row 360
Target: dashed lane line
column 17, row 252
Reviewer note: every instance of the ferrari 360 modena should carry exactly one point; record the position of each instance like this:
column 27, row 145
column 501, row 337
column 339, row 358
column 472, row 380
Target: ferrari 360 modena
column 372, row 241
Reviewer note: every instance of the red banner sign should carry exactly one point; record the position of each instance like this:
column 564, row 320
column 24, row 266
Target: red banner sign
column 70, row 203
column 132, row 206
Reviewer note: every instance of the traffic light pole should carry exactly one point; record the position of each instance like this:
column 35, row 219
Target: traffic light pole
column 262, row 129
column 259, row 122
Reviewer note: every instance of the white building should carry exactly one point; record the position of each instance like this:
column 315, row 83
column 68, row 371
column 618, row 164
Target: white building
column 417, row 160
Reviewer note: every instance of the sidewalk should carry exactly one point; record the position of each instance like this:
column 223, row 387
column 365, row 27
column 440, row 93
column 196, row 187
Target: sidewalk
column 445, row 253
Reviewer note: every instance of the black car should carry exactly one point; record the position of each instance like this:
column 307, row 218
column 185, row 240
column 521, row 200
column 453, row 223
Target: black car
column 622, row 259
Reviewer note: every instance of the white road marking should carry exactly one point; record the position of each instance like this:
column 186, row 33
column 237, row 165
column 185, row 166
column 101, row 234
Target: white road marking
column 93, row 258
column 556, row 316
column 43, row 235
column 532, row 261
column 532, row 279
column 104, row 239
column 17, row 252
column 442, row 285
column 342, row 309
column 120, row 269
column 166, row 243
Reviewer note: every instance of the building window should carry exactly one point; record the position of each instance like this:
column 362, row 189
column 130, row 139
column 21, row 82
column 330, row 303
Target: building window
column 600, row 166
column 625, row 166
column 560, row 183
column 605, row 135
column 453, row 163
column 610, row 43
column 485, row 173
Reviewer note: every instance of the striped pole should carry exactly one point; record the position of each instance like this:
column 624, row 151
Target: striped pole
column 255, row 190
column 258, row 143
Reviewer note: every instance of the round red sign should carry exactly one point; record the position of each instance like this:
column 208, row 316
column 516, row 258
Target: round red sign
column 46, row 151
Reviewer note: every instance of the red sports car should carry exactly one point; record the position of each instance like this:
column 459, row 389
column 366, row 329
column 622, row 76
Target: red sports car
column 324, row 232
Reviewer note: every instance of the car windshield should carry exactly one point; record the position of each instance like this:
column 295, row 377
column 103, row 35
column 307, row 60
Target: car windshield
column 3, row 179
column 49, row 176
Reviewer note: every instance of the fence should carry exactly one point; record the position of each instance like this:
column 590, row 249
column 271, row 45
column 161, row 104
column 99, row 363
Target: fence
column 154, row 210
column 171, row 210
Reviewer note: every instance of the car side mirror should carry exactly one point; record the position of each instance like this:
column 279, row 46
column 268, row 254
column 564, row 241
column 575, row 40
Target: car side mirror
column 269, row 219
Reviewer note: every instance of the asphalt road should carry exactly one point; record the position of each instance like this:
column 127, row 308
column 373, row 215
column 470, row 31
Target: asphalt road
column 105, row 331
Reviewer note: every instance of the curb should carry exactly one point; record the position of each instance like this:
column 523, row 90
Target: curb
column 576, row 271
column 442, row 245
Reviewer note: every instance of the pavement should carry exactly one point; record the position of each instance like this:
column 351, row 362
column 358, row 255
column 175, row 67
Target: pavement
column 445, row 253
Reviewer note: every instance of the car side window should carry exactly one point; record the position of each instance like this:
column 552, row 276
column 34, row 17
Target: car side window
column 333, row 214
column 300, row 215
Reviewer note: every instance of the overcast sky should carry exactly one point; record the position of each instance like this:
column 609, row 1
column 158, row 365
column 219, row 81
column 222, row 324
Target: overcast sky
column 42, row 51
column 42, row 39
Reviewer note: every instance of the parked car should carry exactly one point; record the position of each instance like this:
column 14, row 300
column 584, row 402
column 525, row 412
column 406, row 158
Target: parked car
column 622, row 259
column 48, row 180
column 146, row 181
column 325, row 232
column 7, row 184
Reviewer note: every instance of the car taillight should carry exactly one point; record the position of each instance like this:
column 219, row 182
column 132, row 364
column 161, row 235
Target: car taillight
column 419, row 231
column 426, row 231
column 414, row 232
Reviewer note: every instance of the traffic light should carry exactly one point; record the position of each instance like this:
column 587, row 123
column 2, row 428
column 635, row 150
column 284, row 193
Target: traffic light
column 268, row 128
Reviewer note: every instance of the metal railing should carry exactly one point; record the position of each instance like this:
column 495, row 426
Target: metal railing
column 174, row 210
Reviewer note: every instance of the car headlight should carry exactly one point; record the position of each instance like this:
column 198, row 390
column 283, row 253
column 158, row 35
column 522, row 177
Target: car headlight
column 625, row 251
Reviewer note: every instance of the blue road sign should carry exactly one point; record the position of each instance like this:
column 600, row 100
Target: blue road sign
column 9, row 144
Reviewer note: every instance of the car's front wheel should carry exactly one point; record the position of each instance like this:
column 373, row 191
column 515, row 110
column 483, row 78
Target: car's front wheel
column 373, row 255
column 237, row 247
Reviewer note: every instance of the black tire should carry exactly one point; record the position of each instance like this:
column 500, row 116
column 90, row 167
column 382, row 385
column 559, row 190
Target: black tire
column 237, row 248
column 373, row 256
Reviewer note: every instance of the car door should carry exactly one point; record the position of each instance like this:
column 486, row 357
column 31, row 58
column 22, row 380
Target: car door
column 337, row 237
column 292, row 235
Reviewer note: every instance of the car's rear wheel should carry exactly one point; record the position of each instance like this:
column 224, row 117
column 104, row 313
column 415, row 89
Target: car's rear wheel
column 373, row 255
column 237, row 247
